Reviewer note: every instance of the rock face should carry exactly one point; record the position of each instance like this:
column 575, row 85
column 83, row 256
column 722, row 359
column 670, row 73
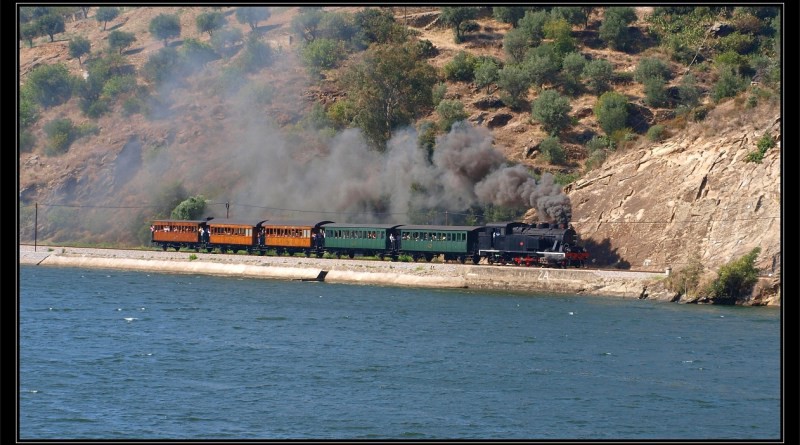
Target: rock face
column 653, row 208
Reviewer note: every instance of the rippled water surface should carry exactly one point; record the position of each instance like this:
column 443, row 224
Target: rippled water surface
column 133, row 355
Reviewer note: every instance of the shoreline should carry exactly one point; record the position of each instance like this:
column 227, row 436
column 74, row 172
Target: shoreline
column 596, row 282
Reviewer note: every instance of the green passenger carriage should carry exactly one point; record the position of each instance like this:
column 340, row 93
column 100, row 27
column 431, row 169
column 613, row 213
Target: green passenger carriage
column 452, row 242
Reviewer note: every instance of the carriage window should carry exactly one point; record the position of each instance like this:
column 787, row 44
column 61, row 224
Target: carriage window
column 382, row 235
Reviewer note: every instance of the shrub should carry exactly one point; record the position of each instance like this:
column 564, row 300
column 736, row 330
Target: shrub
column 552, row 151
column 450, row 112
column 611, row 111
column 486, row 74
column 117, row 85
column 655, row 94
column 656, row 133
column 49, row 85
column 649, row 68
column 514, row 81
column 599, row 143
column 595, row 160
column 256, row 55
column 26, row 140
column 437, row 93
column 736, row 278
column 191, row 208
column 462, row 67
column 598, row 74
column 552, row 111
column 687, row 279
column 60, row 134
column 132, row 105
column 322, row 54
column 765, row 143
column 729, row 84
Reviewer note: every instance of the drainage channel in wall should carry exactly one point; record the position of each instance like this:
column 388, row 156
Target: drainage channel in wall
column 320, row 277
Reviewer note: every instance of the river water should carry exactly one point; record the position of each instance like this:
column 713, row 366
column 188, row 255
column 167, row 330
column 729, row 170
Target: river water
column 118, row 355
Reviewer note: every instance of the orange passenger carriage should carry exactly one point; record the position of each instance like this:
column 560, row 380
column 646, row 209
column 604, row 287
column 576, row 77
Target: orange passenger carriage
column 177, row 233
column 290, row 237
column 229, row 235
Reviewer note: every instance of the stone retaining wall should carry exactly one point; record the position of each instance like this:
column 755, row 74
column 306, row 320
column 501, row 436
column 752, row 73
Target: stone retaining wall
column 431, row 275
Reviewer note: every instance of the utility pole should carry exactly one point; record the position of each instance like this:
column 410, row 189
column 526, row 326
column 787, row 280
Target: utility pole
column 35, row 224
column 227, row 209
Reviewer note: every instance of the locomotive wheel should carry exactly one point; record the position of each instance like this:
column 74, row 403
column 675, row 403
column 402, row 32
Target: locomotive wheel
column 164, row 247
column 476, row 259
column 177, row 248
column 351, row 255
column 428, row 257
column 381, row 256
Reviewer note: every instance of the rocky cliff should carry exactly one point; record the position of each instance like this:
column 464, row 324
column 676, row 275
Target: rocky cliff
column 653, row 207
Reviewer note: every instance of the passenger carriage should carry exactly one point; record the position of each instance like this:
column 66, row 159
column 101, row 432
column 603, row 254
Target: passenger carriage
column 231, row 235
column 290, row 237
column 178, row 233
column 343, row 239
column 451, row 242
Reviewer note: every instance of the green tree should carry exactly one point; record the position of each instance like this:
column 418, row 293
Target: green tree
column 251, row 15
column 227, row 41
column 450, row 112
column 256, row 55
column 49, row 85
column 552, row 151
column 28, row 32
column 461, row 67
column 574, row 15
column 161, row 65
column 60, row 135
column 614, row 29
column 106, row 14
column 376, row 26
column 209, row 22
column 654, row 93
column 533, row 24
column 736, row 278
column 390, row 87
column 651, row 67
column 79, row 46
column 190, row 209
column 165, row 27
column 28, row 111
column 486, row 74
column 611, row 111
column 322, row 54
column 560, row 32
column 515, row 44
column 729, row 84
column 455, row 17
column 571, row 69
column 515, row 82
column 688, row 93
column 51, row 24
column 508, row 14
column 598, row 74
column 119, row 40
column 541, row 69
column 552, row 111
column 306, row 23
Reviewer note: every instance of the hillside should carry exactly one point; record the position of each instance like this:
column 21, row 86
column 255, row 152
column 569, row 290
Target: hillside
column 647, row 207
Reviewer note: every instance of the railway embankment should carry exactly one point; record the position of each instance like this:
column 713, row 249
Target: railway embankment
column 625, row 284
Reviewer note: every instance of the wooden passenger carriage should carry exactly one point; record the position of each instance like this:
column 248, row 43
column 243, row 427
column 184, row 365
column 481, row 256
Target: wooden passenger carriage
column 290, row 237
column 175, row 233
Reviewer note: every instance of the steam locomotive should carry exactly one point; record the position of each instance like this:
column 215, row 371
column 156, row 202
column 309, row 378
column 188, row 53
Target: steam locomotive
column 543, row 244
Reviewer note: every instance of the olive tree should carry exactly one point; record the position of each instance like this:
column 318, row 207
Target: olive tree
column 455, row 16
column 119, row 40
column 106, row 14
column 209, row 22
column 611, row 111
column 251, row 15
column 552, row 111
column 79, row 46
column 165, row 27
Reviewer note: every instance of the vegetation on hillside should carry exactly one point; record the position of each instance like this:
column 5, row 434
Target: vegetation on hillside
column 688, row 60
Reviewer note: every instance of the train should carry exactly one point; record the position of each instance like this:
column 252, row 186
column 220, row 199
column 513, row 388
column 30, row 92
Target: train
column 542, row 244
